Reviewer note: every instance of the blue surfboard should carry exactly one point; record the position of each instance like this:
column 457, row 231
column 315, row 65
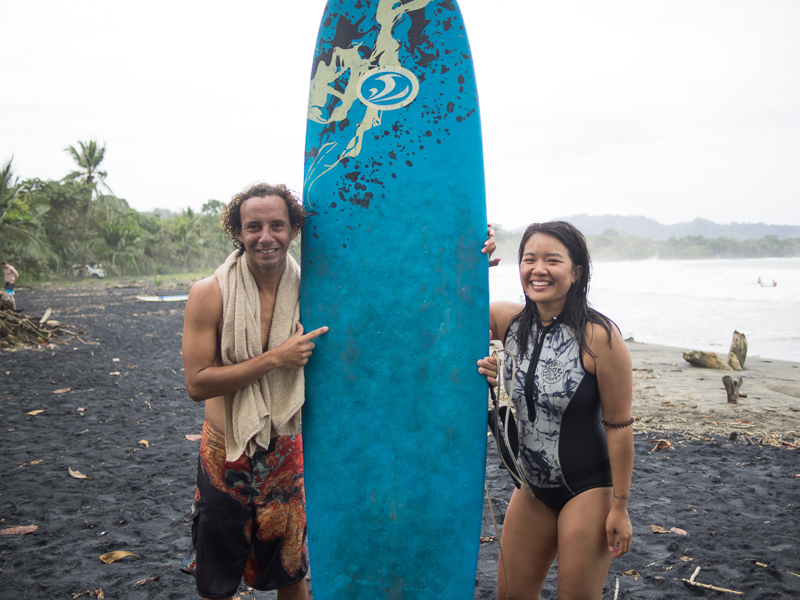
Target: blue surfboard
column 394, row 423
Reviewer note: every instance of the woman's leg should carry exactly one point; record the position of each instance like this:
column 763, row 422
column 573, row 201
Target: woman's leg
column 583, row 556
column 529, row 542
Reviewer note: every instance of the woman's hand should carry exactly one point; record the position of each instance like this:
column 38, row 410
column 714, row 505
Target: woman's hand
column 489, row 246
column 618, row 531
column 488, row 367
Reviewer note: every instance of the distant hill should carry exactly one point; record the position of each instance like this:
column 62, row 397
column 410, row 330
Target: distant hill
column 651, row 229
column 613, row 237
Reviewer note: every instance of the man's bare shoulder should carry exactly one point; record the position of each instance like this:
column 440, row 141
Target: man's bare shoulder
column 205, row 299
column 207, row 285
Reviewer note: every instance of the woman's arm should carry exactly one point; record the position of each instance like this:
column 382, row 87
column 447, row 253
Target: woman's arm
column 618, row 524
column 612, row 365
column 500, row 315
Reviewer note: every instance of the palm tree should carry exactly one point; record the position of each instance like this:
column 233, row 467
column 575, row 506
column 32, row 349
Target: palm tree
column 10, row 188
column 88, row 158
column 124, row 240
column 19, row 220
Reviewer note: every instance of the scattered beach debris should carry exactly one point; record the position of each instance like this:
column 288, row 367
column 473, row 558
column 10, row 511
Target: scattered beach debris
column 79, row 475
column 488, row 539
column 732, row 387
column 98, row 593
column 659, row 529
column 35, row 412
column 16, row 329
column 19, row 530
column 194, row 437
column 61, row 391
column 144, row 443
column 692, row 583
column 756, row 561
column 146, row 580
column 111, row 557
column 632, row 573
column 662, row 445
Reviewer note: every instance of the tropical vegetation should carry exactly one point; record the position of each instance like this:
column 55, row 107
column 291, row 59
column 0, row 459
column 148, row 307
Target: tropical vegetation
column 48, row 226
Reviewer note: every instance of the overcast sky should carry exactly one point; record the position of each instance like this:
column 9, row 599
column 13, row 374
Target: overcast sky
column 672, row 109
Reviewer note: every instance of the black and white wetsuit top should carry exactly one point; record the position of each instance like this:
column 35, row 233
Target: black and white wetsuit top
column 562, row 441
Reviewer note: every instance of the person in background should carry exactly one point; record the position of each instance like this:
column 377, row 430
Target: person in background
column 10, row 275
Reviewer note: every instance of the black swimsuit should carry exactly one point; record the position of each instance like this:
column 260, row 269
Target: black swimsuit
column 563, row 449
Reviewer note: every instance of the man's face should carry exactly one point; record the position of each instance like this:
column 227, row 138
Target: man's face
column 266, row 233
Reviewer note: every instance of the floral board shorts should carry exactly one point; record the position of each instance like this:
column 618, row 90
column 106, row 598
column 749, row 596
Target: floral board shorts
column 248, row 517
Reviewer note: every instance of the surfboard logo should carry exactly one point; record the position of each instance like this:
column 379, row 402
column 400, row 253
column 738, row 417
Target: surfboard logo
column 388, row 88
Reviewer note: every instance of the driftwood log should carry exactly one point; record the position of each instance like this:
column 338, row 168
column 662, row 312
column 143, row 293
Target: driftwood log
column 711, row 360
column 732, row 387
column 738, row 352
column 707, row 360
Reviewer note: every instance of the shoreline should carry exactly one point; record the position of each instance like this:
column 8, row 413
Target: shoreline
column 672, row 395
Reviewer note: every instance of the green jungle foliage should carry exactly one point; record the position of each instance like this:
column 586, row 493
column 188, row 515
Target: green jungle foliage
column 613, row 245
column 46, row 227
column 76, row 229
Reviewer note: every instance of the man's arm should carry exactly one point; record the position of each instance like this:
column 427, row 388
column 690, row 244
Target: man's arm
column 205, row 377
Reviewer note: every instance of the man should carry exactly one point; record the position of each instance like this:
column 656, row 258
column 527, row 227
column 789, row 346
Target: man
column 249, row 509
column 10, row 275
column 243, row 353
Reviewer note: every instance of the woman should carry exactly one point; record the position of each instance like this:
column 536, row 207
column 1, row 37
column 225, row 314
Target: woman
column 572, row 386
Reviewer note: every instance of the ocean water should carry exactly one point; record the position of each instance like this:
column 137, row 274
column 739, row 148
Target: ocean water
column 692, row 304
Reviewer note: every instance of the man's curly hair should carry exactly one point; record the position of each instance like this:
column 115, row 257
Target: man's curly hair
column 231, row 215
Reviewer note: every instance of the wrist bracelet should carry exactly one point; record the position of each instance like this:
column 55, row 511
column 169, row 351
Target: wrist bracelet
column 617, row 425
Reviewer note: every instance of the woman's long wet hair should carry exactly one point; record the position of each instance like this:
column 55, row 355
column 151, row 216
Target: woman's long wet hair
column 577, row 312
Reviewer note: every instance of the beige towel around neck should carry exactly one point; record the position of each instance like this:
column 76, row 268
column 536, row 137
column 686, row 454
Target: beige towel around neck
column 273, row 401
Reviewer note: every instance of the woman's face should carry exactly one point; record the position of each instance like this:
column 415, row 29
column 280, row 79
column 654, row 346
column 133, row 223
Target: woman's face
column 546, row 273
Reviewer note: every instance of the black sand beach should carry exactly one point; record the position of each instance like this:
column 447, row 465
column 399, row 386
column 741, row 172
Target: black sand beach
column 124, row 419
